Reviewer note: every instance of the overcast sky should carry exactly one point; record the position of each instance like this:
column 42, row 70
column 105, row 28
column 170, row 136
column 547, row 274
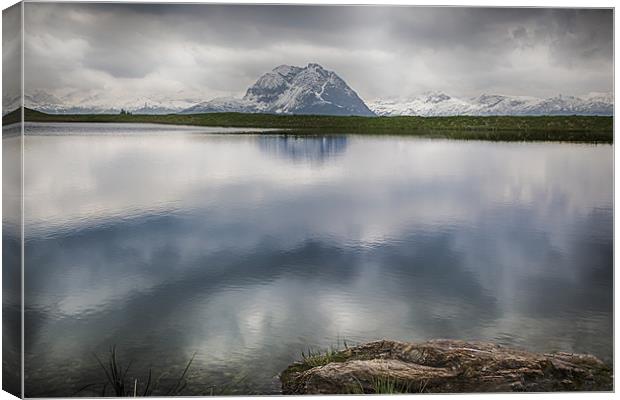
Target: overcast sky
column 198, row 52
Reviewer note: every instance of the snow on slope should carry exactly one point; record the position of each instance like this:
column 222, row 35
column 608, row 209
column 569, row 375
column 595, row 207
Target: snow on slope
column 95, row 103
column 293, row 90
column 314, row 90
column 221, row 104
column 441, row 104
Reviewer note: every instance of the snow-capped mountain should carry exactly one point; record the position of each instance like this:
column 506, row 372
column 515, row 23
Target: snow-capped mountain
column 441, row 104
column 80, row 103
column 293, row 90
column 314, row 90
column 284, row 90
column 222, row 104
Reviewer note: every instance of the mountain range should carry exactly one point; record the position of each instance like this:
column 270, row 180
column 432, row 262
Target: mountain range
column 315, row 90
column 440, row 104
column 95, row 104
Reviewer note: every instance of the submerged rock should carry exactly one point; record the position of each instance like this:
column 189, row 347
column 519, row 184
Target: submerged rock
column 443, row 366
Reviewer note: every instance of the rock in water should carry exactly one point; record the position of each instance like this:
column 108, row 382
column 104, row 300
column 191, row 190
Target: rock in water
column 444, row 366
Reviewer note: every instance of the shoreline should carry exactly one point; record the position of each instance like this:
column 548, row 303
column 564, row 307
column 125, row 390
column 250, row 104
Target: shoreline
column 574, row 129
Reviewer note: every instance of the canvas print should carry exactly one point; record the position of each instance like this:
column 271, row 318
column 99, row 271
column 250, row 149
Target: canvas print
column 232, row 199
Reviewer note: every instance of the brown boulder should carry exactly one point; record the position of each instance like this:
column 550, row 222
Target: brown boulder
column 443, row 366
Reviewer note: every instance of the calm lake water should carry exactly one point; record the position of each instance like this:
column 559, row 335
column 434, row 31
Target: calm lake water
column 249, row 249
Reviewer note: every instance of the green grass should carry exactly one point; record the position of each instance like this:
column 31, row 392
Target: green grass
column 119, row 382
column 591, row 129
column 316, row 358
column 313, row 358
column 12, row 117
column 386, row 385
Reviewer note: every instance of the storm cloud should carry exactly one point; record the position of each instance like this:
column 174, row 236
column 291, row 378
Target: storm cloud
column 197, row 52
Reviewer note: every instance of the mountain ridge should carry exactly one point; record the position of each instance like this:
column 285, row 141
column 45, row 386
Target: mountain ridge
column 312, row 89
column 434, row 104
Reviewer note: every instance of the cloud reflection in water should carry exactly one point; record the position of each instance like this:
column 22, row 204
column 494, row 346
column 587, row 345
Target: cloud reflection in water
column 248, row 249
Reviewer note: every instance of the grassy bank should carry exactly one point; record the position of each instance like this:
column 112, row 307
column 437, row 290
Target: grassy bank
column 506, row 128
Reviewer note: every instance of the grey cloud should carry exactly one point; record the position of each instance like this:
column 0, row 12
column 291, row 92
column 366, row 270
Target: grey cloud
column 209, row 50
column 11, row 58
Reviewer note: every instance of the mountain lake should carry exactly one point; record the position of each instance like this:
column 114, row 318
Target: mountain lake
column 249, row 249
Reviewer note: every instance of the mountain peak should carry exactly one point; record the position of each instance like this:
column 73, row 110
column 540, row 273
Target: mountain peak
column 286, row 70
column 309, row 90
column 283, row 67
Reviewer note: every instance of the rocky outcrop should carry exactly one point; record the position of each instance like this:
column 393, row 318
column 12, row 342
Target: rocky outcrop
column 443, row 366
column 309, row 90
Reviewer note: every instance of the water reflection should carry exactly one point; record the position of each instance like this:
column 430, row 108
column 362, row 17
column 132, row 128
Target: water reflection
column 304, row 148
column 11, row 258
column 177, row 243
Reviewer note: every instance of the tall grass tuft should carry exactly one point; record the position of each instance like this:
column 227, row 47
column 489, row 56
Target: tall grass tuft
column 385, row 385
column 123, row 386
column 317, row 358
